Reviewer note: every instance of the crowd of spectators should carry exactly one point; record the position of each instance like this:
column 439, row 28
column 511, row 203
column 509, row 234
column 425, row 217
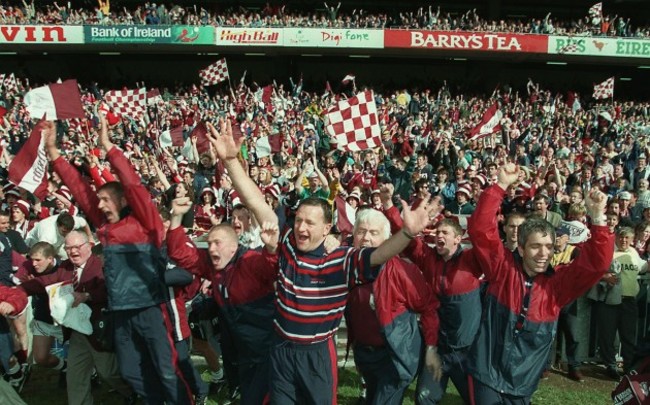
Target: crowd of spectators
column 564, row 144
column 330, row 16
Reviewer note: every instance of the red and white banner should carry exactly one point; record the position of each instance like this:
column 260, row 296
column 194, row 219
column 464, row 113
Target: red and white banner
column 345, row 216
column 131, row 103
column 604, row 89
column 466, row 41
column 200, row 133
column 172, row 137
column 353, row 123
column 41, row 34
column 154, row 97
column 267, row 145
column 57, row 101
column 214, row 73
column 596, row 9
column 29, row 168
column 490, row 123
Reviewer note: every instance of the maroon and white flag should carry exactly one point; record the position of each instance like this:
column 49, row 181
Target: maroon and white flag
column 215, row 73
column 56, row 101
column 348, row 78
column 345, row 216
column 202, row 142
column 172, row 137
column 131, row 103
column 267, row 145
column 154, row 97
column 604, row 89
column 29, row 168
column 596, row 9
column 490, row 123
column 353, row 123
column 9, row 82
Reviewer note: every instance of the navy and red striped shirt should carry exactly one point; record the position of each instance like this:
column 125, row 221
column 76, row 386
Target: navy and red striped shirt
column 312, row 288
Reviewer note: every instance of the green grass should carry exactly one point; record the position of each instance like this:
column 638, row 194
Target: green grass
column 557, row 390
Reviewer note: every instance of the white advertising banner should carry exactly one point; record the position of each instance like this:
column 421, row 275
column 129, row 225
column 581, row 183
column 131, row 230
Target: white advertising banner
column 239, row 36
column 333, row 38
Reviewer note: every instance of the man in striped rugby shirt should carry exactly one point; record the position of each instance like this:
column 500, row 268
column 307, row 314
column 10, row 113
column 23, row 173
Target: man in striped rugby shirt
column 312, row 286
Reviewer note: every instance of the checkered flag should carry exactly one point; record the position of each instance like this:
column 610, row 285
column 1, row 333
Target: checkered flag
column 353, row 123
column 131, row 103
column 596, row 9
column 9, row 83
column 604, row 89
column 215, row 73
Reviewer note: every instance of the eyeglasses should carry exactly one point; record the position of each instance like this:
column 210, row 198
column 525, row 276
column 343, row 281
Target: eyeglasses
column 74, row 247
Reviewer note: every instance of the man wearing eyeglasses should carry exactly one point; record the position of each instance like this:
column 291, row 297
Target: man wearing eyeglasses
column 85, row 271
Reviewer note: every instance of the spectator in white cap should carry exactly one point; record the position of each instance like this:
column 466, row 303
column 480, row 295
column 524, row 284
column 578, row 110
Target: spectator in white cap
column 354, row 199
column 63, row 201
column 624, row 200
column 462, row 205
column 272, row 195
column 205, row 211
column 20, row 221
column 478, row 183
column 375, row 199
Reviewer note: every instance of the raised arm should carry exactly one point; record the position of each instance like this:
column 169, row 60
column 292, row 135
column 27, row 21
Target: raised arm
column 595, row 255
column 180, row 248
column 80, row 189
column 298, row 183
column 414, row 222
column 135, row 192
column 227, row 148
column 482, row 226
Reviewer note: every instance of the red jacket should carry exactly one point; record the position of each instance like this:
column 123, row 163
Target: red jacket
column 511, row 351
column 455, row 283
column 244, row 292
column 133, row 265
column 399, row 293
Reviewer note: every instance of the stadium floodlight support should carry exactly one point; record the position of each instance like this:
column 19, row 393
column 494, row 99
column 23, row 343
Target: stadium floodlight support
column 625, row 79
column 109, row 53
column 311, row 55
column 644, row 67
column 8, row 53
column 556, row 63
column 460, row 59
column 360, row 56
column 212, row 53
column 255, row 54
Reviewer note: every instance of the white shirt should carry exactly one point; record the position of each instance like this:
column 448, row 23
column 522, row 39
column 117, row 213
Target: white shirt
column 46, row 231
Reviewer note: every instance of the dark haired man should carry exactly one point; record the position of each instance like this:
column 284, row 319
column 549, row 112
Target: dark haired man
column 525, row 295
column 131, row 232
column 452, row 274
column 312, row 286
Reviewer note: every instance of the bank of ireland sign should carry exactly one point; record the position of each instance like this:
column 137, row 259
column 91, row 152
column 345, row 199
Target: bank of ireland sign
column 146, row 34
